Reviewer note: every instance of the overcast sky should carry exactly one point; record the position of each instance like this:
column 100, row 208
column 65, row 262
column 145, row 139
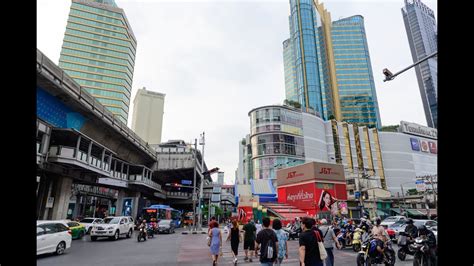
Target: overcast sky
column 216, row 60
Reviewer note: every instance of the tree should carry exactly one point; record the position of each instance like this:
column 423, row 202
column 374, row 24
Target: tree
column 292, row 103
column 412, row 192
column 331, row 117
column 393, row 128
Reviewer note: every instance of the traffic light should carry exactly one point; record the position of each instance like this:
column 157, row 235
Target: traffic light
column 202, row 206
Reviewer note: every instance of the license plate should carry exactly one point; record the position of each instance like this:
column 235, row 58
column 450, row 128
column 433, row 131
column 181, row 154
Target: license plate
column 100, row 232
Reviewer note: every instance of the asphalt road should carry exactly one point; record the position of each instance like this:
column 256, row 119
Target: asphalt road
column 169, row 249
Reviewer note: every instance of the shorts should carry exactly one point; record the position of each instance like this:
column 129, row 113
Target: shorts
column 249, row 244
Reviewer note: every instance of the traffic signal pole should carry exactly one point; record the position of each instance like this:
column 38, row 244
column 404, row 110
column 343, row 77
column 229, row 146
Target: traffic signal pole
column 202, row 183
column 194, row 185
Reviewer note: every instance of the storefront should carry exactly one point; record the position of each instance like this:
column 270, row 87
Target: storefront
column 91, row 201
column 314, row 187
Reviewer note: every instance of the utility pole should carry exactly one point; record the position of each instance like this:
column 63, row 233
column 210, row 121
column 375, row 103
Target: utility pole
column 201, row 142
column 403, row 195
column 194, row 185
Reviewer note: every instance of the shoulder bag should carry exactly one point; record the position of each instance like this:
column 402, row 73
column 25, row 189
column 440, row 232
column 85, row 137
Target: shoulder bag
column 322, row 250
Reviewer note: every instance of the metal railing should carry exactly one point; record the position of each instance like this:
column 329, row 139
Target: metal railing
column 46, row 67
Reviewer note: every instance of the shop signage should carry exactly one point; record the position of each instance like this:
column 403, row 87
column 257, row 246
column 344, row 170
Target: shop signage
column 186, row 182
column 49, row 203
column 424, row 146
column 310, row 171
column 420, row 185
column 433, row 147
column 112, row 182
column 94, row 190
column 419, row 130
column 415, row 144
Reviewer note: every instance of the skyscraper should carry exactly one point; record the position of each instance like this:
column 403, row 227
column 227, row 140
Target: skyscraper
column 355, row 81
column 333, row 70
column 147, row 118
column 420, row 24
column 290, row 71
column 98, row 52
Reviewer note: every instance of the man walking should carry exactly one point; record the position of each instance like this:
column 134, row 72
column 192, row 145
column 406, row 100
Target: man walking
column 329, row 240
column 249, row 240
column 309, row 250
column 269, row 243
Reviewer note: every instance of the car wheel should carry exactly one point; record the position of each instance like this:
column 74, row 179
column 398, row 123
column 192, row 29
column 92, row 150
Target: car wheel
column 89, row 230
column 116, row 236
column 130, row 232
column 81, row 234
column 61, row 248
column 93, row 238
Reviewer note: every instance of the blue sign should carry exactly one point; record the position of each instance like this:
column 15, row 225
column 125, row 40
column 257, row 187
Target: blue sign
column 415, row 144
column 186, row 182
column 357, row 194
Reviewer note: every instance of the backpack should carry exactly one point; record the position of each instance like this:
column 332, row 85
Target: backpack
column 268, row 251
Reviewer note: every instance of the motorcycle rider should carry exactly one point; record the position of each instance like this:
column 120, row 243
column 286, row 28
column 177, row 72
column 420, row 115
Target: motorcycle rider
column 143, row 225
column 431, row 240
column 379, row 233
column 411, row 229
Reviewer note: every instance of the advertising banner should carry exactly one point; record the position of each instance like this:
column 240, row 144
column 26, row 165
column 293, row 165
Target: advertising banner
column 420, row 185
column 247, row 201
column 301, row 196
column 433, row 147
column 424, row 146
column 310, row 171
column 343, row 207
column 415, row 144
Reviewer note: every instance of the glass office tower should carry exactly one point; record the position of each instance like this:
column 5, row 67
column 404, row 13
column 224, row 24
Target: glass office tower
column 420, row 24
column 355, row 80
column 290, row 71
column 333, row 69
column 98, row 52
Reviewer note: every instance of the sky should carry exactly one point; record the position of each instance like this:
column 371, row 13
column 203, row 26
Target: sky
column 217, row 59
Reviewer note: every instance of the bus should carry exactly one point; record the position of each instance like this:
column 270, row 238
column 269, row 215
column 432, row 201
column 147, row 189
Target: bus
column 155, row 213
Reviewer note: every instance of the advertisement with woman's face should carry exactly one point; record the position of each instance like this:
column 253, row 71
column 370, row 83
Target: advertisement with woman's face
column 326, row 202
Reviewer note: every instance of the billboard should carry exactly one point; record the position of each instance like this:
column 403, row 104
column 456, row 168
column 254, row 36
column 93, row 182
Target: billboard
column 415, row 144
column 419, row 130
column 424, row 146
column 310, row 171
column 433, row 147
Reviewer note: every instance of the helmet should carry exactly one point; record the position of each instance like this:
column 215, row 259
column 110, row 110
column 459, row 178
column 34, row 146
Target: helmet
column 409, row 221
column 422, row 229
column 378, row 221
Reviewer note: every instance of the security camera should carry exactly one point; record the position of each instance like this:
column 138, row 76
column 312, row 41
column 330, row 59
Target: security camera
column 388, row 74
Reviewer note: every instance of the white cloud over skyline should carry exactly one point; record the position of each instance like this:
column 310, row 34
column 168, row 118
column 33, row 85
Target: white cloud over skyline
column 217, row 60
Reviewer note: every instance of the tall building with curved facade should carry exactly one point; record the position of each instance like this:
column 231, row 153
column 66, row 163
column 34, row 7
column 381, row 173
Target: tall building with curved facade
column 333, row 69
column 98, row 52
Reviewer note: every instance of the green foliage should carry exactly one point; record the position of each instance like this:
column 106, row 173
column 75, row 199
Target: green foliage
column 393, row 128
column 331, row 117
column 412, row 192
column 292, row 103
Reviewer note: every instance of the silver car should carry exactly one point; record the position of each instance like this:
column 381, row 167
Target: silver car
column 166, row 226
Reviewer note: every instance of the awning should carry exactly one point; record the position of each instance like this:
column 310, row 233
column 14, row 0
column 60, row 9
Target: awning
column 425, row 211
column 382, row 213
column 396, row 210
column 415, row 212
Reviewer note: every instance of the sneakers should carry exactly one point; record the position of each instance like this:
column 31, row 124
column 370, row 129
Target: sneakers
column 246, row 258
column 235, row 260
column 250, row 260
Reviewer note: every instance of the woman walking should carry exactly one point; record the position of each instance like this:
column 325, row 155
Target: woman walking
column 216, row 242
column 282, row 237
column 234, row 237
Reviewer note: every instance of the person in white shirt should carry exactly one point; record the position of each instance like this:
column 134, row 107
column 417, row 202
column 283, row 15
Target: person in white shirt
column 258, row 225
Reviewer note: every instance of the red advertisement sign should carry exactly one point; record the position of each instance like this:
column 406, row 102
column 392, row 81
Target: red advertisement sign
column 301, row 196
column 433, row 147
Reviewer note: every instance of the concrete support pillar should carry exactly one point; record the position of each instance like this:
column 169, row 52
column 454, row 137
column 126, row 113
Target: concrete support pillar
column 61, row 198
column 135, row 204
column 119, row 203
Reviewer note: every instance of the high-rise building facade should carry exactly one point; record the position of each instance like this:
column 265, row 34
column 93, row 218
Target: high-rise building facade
column 291, row 92
column 333, row 70
column 355, row 81
column 147, row 118
column 98, row 52
column 420, row 24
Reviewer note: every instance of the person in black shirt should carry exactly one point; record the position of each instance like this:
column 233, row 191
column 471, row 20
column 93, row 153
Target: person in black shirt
column 309, row 250
column 411, row 229
column 266, row 237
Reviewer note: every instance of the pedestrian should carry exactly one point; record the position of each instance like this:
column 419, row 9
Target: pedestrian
column 268, row 240
column 216, row 242
column 329, row 240
column 249, row 239
column 282, row 237
column 235, row 238
column 259, row 228
column 212, row 223
column 309, row 250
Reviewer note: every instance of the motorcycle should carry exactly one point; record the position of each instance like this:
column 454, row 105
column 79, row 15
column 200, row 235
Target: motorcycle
column 344, row 238
column 294, row 233
column 405, row 246
column 357, row 239
column 368, row 255
column 142, row 235
column 150, row 231
column 422, row 256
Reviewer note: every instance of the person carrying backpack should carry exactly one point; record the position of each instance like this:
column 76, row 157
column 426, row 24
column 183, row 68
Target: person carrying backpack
column 268, row 240
column 282, row 237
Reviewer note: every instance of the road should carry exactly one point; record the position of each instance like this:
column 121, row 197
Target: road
column 168, row 249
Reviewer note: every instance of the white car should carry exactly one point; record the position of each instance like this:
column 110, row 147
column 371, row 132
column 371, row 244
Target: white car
column 391, row 220
column 52, row 236
column 89, row 222
column 113, row 228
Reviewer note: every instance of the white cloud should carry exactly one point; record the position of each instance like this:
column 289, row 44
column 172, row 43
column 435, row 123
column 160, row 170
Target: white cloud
column 216, row 60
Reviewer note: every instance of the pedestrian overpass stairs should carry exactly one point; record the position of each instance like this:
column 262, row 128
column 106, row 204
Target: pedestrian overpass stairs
column 285, row 212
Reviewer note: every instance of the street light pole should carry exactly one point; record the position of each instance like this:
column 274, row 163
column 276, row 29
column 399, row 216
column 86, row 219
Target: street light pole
column 202, row 142
column 194, row 185
column 389, row 76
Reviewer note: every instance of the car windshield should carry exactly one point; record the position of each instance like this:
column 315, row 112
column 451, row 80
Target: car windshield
column 390, row 219
column 164, row 222
column 112, row 220
column 87, row 221
column 397, row 224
